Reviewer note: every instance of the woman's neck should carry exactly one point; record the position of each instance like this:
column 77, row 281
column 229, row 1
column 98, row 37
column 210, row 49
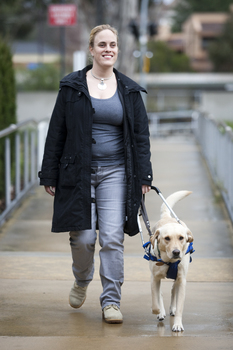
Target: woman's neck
column 102, row 72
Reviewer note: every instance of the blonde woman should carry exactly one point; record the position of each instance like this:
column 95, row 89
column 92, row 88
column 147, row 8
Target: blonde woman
column 97, row 165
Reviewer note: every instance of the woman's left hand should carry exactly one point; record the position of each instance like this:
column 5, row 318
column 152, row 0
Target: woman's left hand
column 145, row 189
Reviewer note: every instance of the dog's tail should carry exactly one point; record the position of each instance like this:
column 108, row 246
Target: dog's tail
column 172, row 200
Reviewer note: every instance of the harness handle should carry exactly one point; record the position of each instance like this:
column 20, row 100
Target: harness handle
column 144, row 215
column 165, row 202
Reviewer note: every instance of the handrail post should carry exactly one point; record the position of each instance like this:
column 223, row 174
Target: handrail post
column 25, row 158
column 17, row 164
column 7, row 172
column 33, row 155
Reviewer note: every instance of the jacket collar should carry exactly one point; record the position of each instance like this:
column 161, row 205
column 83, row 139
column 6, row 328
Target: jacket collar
column 77, row 80
column 128, row 83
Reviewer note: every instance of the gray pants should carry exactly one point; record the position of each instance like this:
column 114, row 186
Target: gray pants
column 108, row 187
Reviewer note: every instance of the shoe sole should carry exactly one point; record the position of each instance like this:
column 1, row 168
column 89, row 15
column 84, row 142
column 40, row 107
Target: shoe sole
column 112, row 321
column 77, row 307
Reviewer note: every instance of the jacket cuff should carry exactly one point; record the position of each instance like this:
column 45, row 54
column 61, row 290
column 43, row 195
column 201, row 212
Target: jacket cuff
column 48, row 182
column 145, row 182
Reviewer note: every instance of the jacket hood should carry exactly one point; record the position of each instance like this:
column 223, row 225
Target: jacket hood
column 77, row 80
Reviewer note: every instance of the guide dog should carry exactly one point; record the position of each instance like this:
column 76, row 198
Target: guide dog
column 170, row 242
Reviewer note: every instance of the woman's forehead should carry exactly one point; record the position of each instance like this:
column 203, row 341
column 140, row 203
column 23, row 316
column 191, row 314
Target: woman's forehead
column 105, row 35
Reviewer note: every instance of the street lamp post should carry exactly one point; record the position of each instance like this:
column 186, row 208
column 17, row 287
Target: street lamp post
column 63, row 47
column 143, row 42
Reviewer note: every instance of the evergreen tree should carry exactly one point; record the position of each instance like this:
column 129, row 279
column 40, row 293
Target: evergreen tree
column 7, row 101
column 7, row 87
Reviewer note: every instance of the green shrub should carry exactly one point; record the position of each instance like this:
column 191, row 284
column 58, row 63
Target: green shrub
column 7, row 102
column 44, row 77
column 229, row 123
column 166, row 60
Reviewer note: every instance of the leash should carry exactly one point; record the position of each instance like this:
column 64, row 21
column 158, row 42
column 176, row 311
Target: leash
column 173, row 267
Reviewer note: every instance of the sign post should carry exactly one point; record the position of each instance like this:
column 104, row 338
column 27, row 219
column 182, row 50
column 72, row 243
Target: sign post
column 62, row 15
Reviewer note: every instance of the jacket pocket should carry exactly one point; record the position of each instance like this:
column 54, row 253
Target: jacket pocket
column 68, row 171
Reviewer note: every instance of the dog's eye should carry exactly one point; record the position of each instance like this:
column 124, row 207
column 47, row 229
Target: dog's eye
column 167, row 238
column 181, row 238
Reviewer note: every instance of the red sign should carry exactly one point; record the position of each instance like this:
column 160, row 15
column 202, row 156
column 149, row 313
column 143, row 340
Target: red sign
column 62, row 15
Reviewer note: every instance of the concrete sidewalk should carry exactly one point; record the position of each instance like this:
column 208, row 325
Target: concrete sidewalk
column 36, row 276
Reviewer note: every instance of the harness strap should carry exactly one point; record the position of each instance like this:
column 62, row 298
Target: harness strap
column 172, row 267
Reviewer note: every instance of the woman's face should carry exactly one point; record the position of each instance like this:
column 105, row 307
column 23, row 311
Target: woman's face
column 105, row 50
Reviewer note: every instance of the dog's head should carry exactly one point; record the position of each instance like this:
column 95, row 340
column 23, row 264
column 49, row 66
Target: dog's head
column 172, row 240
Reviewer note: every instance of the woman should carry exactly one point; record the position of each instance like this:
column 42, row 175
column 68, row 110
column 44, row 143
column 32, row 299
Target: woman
column 97, row 165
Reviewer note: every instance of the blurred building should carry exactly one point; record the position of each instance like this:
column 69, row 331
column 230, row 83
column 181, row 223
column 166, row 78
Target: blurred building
column 199, row 31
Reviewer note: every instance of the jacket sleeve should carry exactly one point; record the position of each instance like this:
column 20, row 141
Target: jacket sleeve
column 54, row 143
column 142, row 137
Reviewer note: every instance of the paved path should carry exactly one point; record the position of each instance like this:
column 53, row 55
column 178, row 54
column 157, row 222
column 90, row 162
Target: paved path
column 35, row 272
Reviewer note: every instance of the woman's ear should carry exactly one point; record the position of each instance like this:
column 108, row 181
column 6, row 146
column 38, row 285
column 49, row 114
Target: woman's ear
column 91, row 51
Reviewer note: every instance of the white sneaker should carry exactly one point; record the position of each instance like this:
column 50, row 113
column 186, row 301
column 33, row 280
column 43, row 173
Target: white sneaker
column 112, row 314
column 77, row 296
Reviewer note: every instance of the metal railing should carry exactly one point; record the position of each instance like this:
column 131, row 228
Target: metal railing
column 216, row 141
column 23, row 149
column 164, row 123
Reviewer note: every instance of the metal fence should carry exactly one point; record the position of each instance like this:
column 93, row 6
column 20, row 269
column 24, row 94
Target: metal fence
column 165, row 123
column 23, row 146
column 216, row 141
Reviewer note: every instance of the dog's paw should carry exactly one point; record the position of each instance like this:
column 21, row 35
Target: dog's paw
column 161, row 316
column 172, row 311
column 177, row 327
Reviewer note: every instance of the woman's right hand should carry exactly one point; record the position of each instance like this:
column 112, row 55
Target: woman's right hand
column 50, row 190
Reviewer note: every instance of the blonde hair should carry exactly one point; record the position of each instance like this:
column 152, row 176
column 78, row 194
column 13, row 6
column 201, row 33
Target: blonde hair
column 99, row 29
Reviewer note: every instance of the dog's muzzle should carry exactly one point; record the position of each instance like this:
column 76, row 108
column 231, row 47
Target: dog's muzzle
column 176, row 253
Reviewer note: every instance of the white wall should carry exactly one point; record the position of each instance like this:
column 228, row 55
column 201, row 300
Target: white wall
column 218, row 103
column 35, row 105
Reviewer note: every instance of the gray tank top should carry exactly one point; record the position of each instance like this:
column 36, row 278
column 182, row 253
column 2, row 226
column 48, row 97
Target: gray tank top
column 107, row 131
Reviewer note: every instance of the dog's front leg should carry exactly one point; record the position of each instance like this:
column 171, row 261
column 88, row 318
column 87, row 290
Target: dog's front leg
column 173, row 300
column 157, row 299
column 180, row 297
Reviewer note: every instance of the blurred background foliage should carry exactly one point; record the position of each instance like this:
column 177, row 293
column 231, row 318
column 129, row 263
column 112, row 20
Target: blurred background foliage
column 221, row 50
column 26, row 20
column 165, row 60
column 44, row 77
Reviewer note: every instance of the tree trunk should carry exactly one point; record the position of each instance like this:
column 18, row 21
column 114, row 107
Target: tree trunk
column 128, row 9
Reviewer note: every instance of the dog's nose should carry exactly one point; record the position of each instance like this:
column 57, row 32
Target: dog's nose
column 176, row 253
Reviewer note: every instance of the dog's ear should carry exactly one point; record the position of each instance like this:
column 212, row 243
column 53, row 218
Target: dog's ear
column 154, row 237
column 190, row 236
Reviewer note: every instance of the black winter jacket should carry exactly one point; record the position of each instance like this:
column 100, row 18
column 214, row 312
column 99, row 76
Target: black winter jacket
column 67, row 156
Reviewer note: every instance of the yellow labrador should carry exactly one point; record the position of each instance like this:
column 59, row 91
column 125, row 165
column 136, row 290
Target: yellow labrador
column 170, row 242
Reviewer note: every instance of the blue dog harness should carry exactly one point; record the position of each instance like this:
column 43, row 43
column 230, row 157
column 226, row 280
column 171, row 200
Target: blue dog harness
column 173, row 267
